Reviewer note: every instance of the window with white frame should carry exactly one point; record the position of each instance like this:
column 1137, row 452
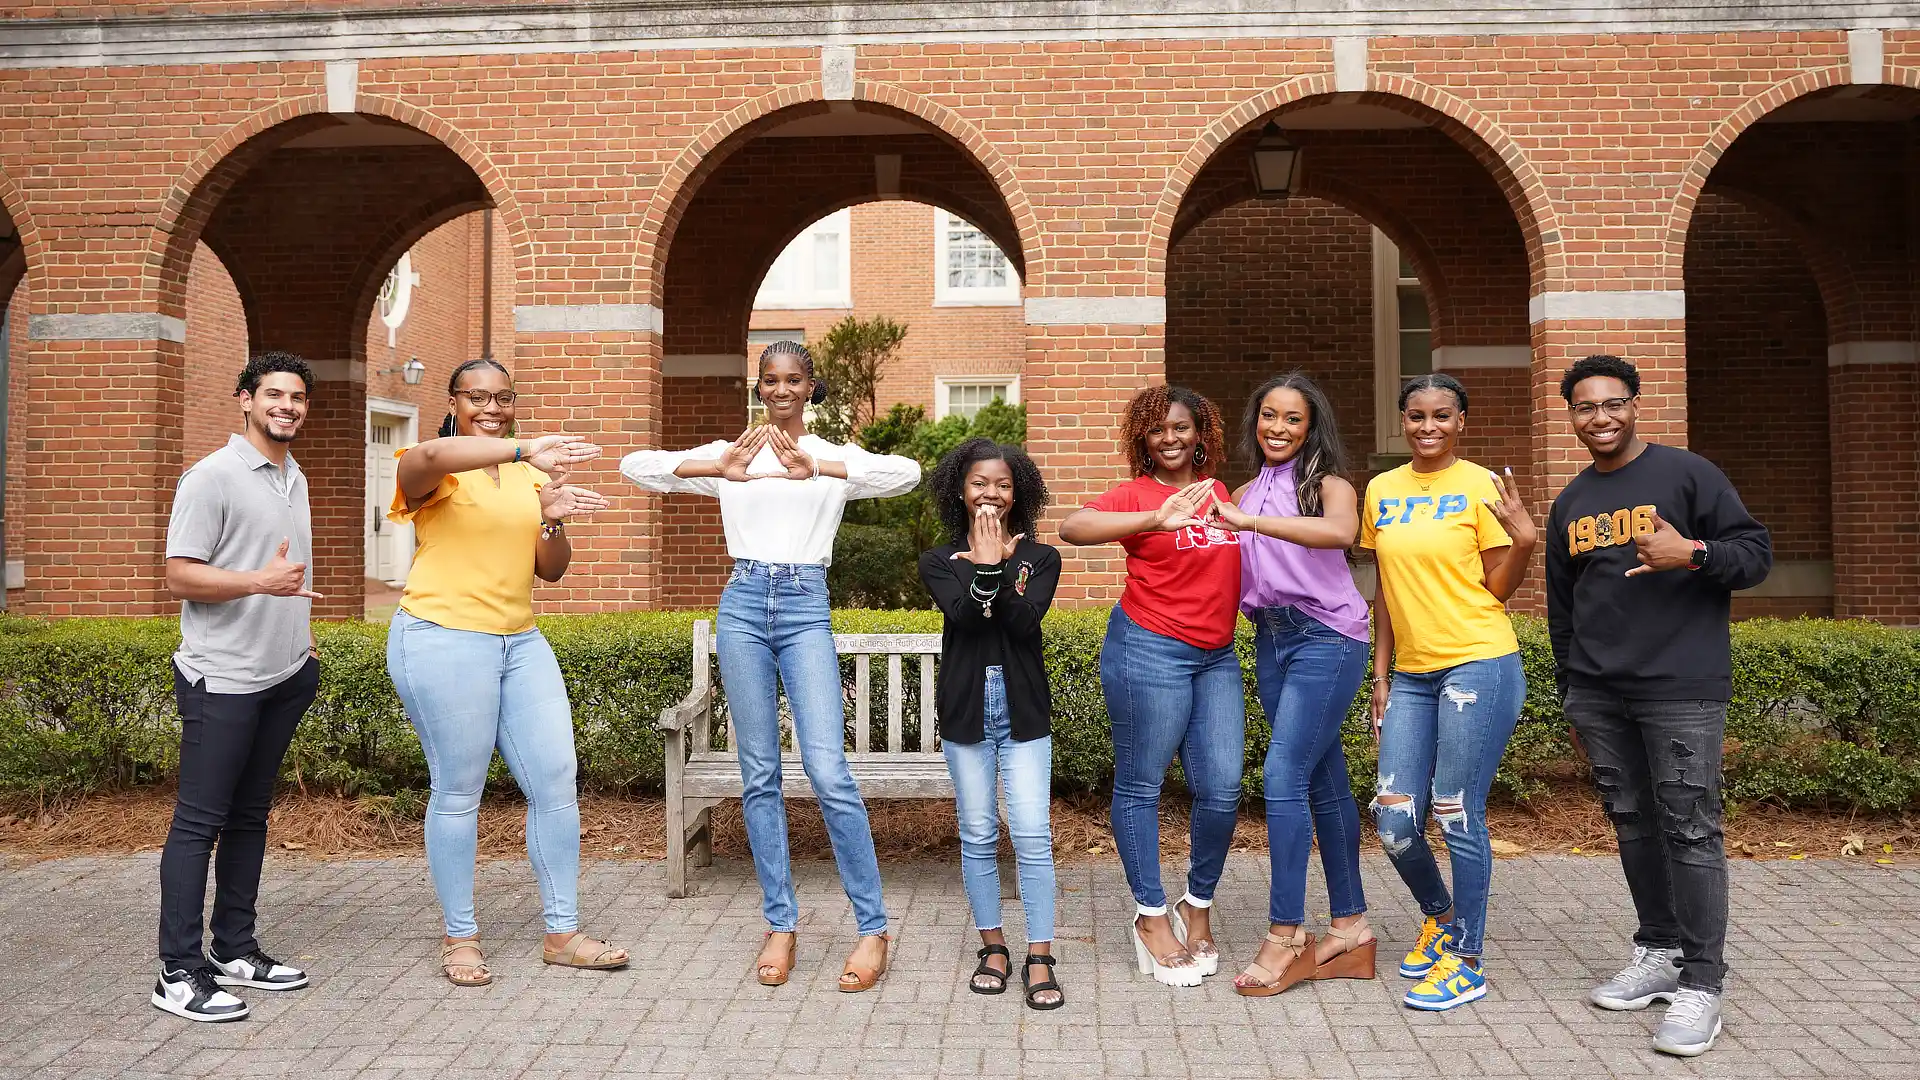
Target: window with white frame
column 966, row 395
column 968, row 267
column 815, row 270
column 757, row 341
column 396, row 295
column 1402, row 338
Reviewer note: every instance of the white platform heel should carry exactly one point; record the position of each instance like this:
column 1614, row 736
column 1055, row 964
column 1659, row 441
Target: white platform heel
column 1209, row 961
column 1185, row 975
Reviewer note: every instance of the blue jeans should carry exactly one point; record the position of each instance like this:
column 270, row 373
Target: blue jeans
column 1166, row 697
column 466, row 693
column 1308, row 673
column 1440, row 743
column 1026, row 768
column 774, row 631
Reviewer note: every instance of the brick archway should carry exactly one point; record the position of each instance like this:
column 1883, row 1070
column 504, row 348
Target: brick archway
column 1495, row 150
column 19, row 255
column 683, row 179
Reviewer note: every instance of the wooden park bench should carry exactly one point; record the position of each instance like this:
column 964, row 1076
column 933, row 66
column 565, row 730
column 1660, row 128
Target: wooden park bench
column 700, row 775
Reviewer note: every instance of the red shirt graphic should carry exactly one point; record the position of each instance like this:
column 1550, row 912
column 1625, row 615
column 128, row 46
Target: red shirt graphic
column 1184, row 584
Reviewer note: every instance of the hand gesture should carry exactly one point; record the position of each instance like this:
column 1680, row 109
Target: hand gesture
column 1378, row 711
column 560, row 501
column 1183, row 508
column 550, row 452
column 282, row 578
column 1662, row 549
column 737, row 457
column 798, row 463
column 988, row 541
column 1230, row 515
column 1510, row 509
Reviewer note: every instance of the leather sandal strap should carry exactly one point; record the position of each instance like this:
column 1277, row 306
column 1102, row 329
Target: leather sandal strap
column 1351, row 935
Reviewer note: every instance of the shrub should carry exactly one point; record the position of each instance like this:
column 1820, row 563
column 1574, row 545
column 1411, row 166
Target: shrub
column 1823, row 714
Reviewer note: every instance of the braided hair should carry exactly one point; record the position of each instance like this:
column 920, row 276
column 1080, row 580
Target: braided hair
column 453, row 384
column 792, row 348
column 1438, row 380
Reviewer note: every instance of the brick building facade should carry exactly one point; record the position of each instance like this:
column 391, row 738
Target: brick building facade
column 1731, row 200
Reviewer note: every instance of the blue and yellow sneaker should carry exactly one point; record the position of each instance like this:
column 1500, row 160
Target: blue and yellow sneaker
column 1450, row 984
column 1434, row 938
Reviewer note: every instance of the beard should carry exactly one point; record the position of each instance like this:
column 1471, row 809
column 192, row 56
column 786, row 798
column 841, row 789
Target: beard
column 268, row 430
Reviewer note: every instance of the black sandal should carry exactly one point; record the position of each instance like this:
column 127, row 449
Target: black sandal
column 1044, row 985
column 983, row 969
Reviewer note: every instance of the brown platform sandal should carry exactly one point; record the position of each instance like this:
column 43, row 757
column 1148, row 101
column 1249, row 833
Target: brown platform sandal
column 477, row 974
column 780, row 973
column 866, row 978
column 1298, row 970
column 1355, row 959
column 581, row 951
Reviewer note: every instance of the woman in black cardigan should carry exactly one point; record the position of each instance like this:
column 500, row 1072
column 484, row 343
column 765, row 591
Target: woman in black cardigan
column 994, row 585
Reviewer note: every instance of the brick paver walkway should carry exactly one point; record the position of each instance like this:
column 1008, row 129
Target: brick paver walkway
column 1823, row 983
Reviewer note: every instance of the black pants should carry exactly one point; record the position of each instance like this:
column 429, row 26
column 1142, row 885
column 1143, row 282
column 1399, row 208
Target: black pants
column 231, row 746
column 1656, row 765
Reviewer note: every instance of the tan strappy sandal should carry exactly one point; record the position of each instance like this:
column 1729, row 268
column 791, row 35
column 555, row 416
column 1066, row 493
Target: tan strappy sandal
column 581, row 951
column 1355, row 958
column 477, row 973
column 866, row 978
column 781, row 973
column 1298, row 970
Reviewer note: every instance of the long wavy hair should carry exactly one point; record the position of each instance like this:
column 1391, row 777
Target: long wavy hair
column 1322, row 456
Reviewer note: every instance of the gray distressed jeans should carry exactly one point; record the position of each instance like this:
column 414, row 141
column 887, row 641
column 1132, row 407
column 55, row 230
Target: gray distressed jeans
column 1656, row 765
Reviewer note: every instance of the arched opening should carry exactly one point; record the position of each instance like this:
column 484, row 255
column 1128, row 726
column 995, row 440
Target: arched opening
column 1395, row 251
column 370, row 248
column 1802, row 322
column 13, row 344
column 816, row 214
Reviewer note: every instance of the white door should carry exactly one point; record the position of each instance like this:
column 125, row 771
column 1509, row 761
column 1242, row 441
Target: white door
column 389, row 546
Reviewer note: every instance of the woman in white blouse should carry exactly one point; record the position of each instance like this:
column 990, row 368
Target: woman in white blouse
column 782, row 492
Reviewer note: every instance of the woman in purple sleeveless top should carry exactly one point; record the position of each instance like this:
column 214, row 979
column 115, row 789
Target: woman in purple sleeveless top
column 1298, row 517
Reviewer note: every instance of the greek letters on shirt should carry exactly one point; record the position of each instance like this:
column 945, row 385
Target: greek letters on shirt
column 1608, row 530
column 1204, row 536
column 1418, row 508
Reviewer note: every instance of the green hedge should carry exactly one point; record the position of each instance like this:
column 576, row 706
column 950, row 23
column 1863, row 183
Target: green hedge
column 1824, row 713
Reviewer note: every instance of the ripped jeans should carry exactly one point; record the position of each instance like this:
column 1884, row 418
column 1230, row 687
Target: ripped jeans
column 1440, row 744
column 1656, row 765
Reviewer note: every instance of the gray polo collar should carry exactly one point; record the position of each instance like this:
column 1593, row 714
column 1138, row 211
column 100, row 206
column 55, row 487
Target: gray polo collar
column 254, row 458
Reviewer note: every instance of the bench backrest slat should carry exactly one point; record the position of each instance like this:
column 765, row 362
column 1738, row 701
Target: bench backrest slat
column 896, row 701
column 862, row 703
column 929, row 728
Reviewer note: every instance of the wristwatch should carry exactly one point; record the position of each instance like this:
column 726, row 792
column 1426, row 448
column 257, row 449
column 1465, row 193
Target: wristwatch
column 1699, row 557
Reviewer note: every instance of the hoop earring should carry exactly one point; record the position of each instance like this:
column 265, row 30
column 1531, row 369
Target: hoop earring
column 1199, row 455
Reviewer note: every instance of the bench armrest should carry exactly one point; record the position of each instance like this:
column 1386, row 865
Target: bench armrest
column 697, row 705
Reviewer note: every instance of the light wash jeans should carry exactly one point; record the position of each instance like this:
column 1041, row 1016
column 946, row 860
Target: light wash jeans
column 1441, row 741
column 1026, row 769
column 774, row 631
column 1308, row 673
column 466, row 693
column 1166, row 697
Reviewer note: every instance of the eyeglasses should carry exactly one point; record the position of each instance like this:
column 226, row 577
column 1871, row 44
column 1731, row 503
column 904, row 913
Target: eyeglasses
column 479, row 398
column 1615, row 407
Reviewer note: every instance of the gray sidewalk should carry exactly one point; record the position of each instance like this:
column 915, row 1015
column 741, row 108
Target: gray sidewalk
column 1823, row 953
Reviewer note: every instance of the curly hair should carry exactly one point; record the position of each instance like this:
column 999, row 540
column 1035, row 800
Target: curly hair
column 948, row 486
column 1148, row 410
column 1600, row 366
column 261, row 365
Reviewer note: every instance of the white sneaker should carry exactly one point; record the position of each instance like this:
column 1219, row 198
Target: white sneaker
column 258, row 970
column 1691, row 1025
column 1654, row 975
column 193, row 995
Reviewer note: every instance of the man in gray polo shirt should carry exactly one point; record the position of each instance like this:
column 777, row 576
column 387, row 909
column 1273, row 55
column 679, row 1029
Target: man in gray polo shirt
column 247, row 669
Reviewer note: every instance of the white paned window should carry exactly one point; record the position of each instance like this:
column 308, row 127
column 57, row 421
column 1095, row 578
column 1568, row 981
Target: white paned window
column 968, row 267
column 396, row 294
column 1402, row 338
column 966, row 395
column 815, row 269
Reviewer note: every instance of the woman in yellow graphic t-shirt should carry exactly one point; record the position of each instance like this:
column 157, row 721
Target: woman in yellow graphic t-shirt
column 1451, row 542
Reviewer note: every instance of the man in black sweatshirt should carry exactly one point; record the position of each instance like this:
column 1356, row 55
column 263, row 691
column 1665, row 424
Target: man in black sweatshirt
column 1645, row 549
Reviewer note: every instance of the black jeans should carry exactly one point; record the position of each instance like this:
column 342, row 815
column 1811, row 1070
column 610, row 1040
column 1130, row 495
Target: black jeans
column 231, row 746
column 1656, row 765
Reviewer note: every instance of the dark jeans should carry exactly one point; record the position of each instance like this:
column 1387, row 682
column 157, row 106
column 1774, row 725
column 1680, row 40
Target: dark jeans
column 1656, row 765
column 231, row 746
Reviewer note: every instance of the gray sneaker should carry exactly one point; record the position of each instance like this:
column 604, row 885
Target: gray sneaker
column 1654, row 975
column 1691, row 1024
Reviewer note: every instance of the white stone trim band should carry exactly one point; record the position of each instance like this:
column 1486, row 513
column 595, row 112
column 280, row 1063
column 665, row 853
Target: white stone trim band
column 1096, row 310
column 624, row 26
column 836, row 72
column 1461, row 357
column 343, row 86
column 704, row 366
column 1866, row 56
column 1349, row 64
column 586, row 318
column 108, row 326
column 338, row 371
column 1616, row 305
column 1864, row 353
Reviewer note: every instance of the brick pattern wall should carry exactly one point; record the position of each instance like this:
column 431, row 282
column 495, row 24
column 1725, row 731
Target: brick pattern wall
column 216, row 352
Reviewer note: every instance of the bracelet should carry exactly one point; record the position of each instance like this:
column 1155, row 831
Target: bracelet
column 551, row 529
column 516, row 449
column 1378, row 679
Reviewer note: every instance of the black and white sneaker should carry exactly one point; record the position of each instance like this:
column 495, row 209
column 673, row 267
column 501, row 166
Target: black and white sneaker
column 194, row 995
column 258, row 970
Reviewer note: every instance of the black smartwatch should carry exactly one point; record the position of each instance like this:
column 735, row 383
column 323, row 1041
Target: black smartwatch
column 1699, row 557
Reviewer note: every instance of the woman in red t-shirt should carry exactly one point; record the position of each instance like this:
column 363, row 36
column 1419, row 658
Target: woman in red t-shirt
column 1168, row 669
